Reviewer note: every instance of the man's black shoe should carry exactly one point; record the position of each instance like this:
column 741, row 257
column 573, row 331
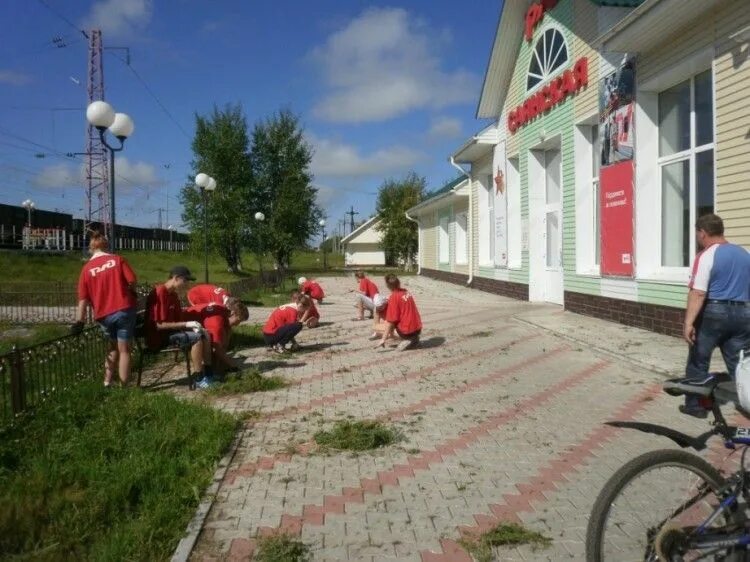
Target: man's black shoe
column 696, row 412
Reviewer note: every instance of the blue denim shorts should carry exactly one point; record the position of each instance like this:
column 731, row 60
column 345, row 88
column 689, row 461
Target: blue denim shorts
column 184, row 339
column 119, row 325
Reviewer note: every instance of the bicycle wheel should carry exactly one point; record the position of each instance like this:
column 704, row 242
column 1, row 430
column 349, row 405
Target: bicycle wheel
column 644, row 509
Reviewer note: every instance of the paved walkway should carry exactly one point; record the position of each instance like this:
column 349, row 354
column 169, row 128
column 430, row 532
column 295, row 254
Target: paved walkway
column 502, row 411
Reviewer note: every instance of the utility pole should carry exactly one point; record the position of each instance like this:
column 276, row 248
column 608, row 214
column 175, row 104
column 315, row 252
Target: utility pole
column 351, row 214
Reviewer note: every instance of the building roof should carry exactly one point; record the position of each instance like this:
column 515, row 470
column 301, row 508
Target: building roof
column 452, row 188
column 371, row 222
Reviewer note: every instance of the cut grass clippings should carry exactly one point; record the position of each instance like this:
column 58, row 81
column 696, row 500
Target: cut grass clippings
column 357, row 436
column 504, row 534
column 281, row 548
column 100, row 474
column 245, row 382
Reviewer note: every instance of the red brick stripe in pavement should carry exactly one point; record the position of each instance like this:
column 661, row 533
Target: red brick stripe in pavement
column 547, row 479
column 315, row 514
column 394, row 381
column 268, row 462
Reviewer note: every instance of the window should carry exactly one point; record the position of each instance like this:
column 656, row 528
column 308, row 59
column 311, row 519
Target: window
column 462, row 248
column 491, row 210
column 550, row 53
column 443, row 240
column 595, row 161
column 686, row 164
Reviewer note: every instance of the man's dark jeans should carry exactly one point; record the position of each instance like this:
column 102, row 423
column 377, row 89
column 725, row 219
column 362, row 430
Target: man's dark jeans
column 723, row 325
column 283, row 335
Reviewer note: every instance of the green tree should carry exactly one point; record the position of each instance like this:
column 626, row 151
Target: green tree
column 400, row 236
column 280, row 163
column 221, row 150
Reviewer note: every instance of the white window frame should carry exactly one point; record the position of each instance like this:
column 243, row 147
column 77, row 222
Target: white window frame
column 461, row 238
column 546, row 76
column 588, row 233
column 690, row 156
column 514, row 220
column 444, row 245
column 648, row 216
column 486, row 228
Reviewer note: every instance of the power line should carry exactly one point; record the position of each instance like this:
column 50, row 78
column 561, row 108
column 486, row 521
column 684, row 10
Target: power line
column 62, row 17
column 153, row 95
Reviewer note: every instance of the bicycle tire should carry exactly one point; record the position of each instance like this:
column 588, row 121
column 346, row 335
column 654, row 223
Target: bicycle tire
column 631, row 470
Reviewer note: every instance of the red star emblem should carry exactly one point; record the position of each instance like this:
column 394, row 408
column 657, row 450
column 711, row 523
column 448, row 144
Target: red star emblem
column 499, row 182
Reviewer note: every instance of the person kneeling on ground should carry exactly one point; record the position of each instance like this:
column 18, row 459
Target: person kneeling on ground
column 107, row 284
column 283, row 325
column 379, row 324
column 366, row 291
column 218, row 320
column 165, row 325
column 311, row 317
column 311, row 288
column 402, row 315
column 206, row 293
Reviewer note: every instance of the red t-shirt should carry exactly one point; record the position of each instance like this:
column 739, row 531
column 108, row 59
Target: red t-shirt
column 105, row 282
column 313, row 289
column 369, row 288
column 206, row 293
column 214, row 318
column 285, row 314
column 162, row 305
column 402, row 311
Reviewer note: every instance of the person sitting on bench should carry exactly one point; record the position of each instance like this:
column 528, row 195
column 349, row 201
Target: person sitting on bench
column 218, row 321
column 165, row 325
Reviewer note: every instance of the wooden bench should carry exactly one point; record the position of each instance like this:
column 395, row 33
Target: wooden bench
column 143, row 351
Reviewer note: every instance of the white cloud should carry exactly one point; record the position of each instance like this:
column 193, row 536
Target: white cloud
column 384, row 63
column 337, row 159
column 118, row 18
column 14, row 78
column 129, row 176
column 445, row 128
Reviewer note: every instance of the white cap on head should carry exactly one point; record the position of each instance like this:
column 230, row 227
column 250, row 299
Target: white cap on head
column 301, row 280
column 379, row 300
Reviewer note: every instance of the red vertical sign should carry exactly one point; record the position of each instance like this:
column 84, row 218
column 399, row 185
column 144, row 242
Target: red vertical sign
column 616, row 204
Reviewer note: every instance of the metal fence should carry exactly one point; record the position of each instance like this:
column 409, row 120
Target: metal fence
column 30, row 375
column 34, row 303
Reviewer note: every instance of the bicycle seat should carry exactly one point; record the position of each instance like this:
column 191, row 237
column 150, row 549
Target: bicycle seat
column 701, row 387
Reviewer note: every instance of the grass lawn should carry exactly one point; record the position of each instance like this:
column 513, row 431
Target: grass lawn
column 26, row 335
column 150, row 267
column 106, row 475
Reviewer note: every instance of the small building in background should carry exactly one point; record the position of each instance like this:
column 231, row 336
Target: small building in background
column 363, row 247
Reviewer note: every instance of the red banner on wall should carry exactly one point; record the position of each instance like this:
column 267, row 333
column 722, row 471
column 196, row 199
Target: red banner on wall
column 616, row 204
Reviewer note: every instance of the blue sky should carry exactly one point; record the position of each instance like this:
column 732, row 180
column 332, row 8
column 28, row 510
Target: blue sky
column 381, row 89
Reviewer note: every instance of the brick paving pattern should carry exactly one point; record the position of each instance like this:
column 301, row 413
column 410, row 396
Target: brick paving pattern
column 502, row 421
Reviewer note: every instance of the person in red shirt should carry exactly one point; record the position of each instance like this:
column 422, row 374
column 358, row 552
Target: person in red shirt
column 218, row 320
column 206, row 293
column 402, row 316
column 366, row 291
column 283, row 325
column 107, row 284
column 311, row 289
column 379, row 325
column 311, row 317
column 165, row 324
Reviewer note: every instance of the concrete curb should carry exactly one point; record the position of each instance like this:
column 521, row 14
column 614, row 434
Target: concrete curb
column 187, row 543
column 604, row 351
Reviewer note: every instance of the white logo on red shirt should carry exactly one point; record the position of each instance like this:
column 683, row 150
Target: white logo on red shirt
column 109, row 264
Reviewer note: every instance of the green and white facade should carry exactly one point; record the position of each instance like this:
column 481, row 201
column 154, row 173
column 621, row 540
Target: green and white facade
column 529, row 199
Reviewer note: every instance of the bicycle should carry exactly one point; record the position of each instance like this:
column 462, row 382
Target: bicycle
column 705, row 515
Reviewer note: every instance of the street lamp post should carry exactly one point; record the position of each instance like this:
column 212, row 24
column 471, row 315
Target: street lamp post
column 206, row 184
column 322, row 224
column 102, row 116
column 29, row 206
column 170, row 228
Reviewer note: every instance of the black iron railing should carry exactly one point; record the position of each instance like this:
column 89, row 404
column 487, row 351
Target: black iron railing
column 29, row 375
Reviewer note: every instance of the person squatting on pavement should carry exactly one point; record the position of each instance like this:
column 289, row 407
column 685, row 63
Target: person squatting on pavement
column 379, row 325
column 107, row 284
column 402, row 316
column 718, row 305
column 366, row 291
column 283, row 325
column 218, row 320
column 165, row 325
column 311, row 317
column 311, row 288
column 206, row 293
